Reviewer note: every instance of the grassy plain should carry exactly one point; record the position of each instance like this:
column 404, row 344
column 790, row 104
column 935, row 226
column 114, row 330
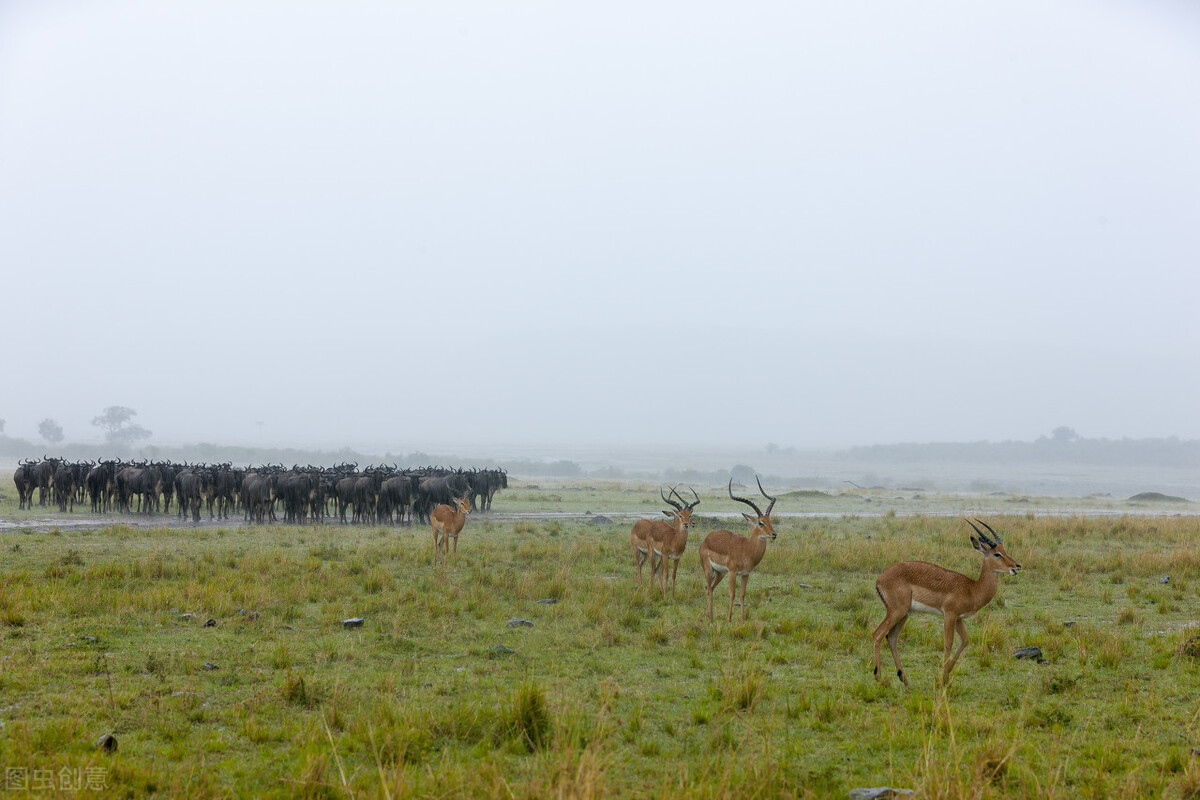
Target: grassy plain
column 611, row 693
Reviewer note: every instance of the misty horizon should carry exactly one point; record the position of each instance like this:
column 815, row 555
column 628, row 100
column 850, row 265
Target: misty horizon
column 470, row 225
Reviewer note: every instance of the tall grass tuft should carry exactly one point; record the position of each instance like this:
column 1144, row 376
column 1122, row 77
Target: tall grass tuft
column 526, row 717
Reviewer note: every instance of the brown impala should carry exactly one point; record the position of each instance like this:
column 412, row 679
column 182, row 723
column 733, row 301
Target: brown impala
column 929, row 589
column 726, row 551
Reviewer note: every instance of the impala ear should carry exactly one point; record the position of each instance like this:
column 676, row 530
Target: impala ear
column 978, row 545
column 749, row 517
column 668, row 514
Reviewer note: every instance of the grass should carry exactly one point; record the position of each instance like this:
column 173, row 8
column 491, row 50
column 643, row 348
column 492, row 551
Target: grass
column 611, row 693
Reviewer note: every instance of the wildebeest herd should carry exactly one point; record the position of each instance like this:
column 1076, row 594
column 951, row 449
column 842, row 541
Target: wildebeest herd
column 374, row 495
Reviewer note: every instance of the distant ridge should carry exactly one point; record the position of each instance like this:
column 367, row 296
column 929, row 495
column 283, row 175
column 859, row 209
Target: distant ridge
column 1170, row 452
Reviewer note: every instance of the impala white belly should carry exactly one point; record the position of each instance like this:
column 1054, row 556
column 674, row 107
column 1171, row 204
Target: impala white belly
column 921, row 608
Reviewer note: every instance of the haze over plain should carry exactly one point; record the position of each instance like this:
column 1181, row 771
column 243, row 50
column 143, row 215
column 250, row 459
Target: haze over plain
column 423, row 225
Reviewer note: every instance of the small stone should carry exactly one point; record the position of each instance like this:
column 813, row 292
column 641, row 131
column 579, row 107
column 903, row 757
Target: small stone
column 498, row 650
column 600, row 519
column 353, row 622
column 1165, row 579
column 107, row 742
column 517, row 622
column 804, row 585
column 1029, row 652
column 183, row 694
column 209, row 665
column 211, row 623
column 549, row 601
column 187, row 616
column 286, row 628
column 1068, row 623
column 878, row 793
column 90, row 638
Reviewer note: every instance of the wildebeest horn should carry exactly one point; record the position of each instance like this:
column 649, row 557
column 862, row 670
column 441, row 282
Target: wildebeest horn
column 744, row 500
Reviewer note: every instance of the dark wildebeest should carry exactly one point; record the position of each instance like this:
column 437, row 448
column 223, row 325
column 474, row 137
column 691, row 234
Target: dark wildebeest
column 26, row 482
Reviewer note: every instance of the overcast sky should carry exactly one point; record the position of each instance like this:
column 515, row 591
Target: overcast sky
column 402, row 224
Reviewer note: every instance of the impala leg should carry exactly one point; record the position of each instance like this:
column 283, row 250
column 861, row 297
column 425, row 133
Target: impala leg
column 961, row 627
column 639, row 558
column 711, row 578
column 950, row 623
column 733, row 582
column 456, row 552
column 745, row 579
column 889, row 628
column 674, row 573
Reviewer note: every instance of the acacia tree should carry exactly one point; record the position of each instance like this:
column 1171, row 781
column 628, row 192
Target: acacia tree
column 50, row 430
column 115, row 422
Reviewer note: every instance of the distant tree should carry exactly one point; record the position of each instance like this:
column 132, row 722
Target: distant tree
column 1064, row 434
column 117, row 429
column 50, row 430
column 742, row 474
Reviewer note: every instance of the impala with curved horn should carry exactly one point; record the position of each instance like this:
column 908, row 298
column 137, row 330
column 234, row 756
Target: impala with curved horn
column 726, row 551
column 668, row 540
column 929, row 589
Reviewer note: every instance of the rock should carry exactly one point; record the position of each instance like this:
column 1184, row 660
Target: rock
column 353, row 622
column 286, row 628
column 804, row 585
column 1165, row 579
column 498, row 650
column 211, row 623
column 209, row 665
column 183, row 694
column 1029, row 652
column 107, row 743
column 600, row 519
column 90, row 638
column 1068, row 623
column 517, row 622
column 878, row 793
column 549, row 601
column 187, row 616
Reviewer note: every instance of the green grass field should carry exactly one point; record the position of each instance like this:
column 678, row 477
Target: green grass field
column 611, row 693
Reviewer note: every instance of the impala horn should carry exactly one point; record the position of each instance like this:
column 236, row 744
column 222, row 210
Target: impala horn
column 744, row 500
column 691, row 505
column 764, row 494
column 668, row 500
column 983, row 536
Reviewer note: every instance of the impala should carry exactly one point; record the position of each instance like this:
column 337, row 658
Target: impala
column 929, row 589
column 725, row 551
column 668, row 540
column 648, row 533
column 448, row 521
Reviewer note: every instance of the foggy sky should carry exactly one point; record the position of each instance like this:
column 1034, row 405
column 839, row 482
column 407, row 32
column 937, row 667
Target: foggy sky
column 413, row 224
